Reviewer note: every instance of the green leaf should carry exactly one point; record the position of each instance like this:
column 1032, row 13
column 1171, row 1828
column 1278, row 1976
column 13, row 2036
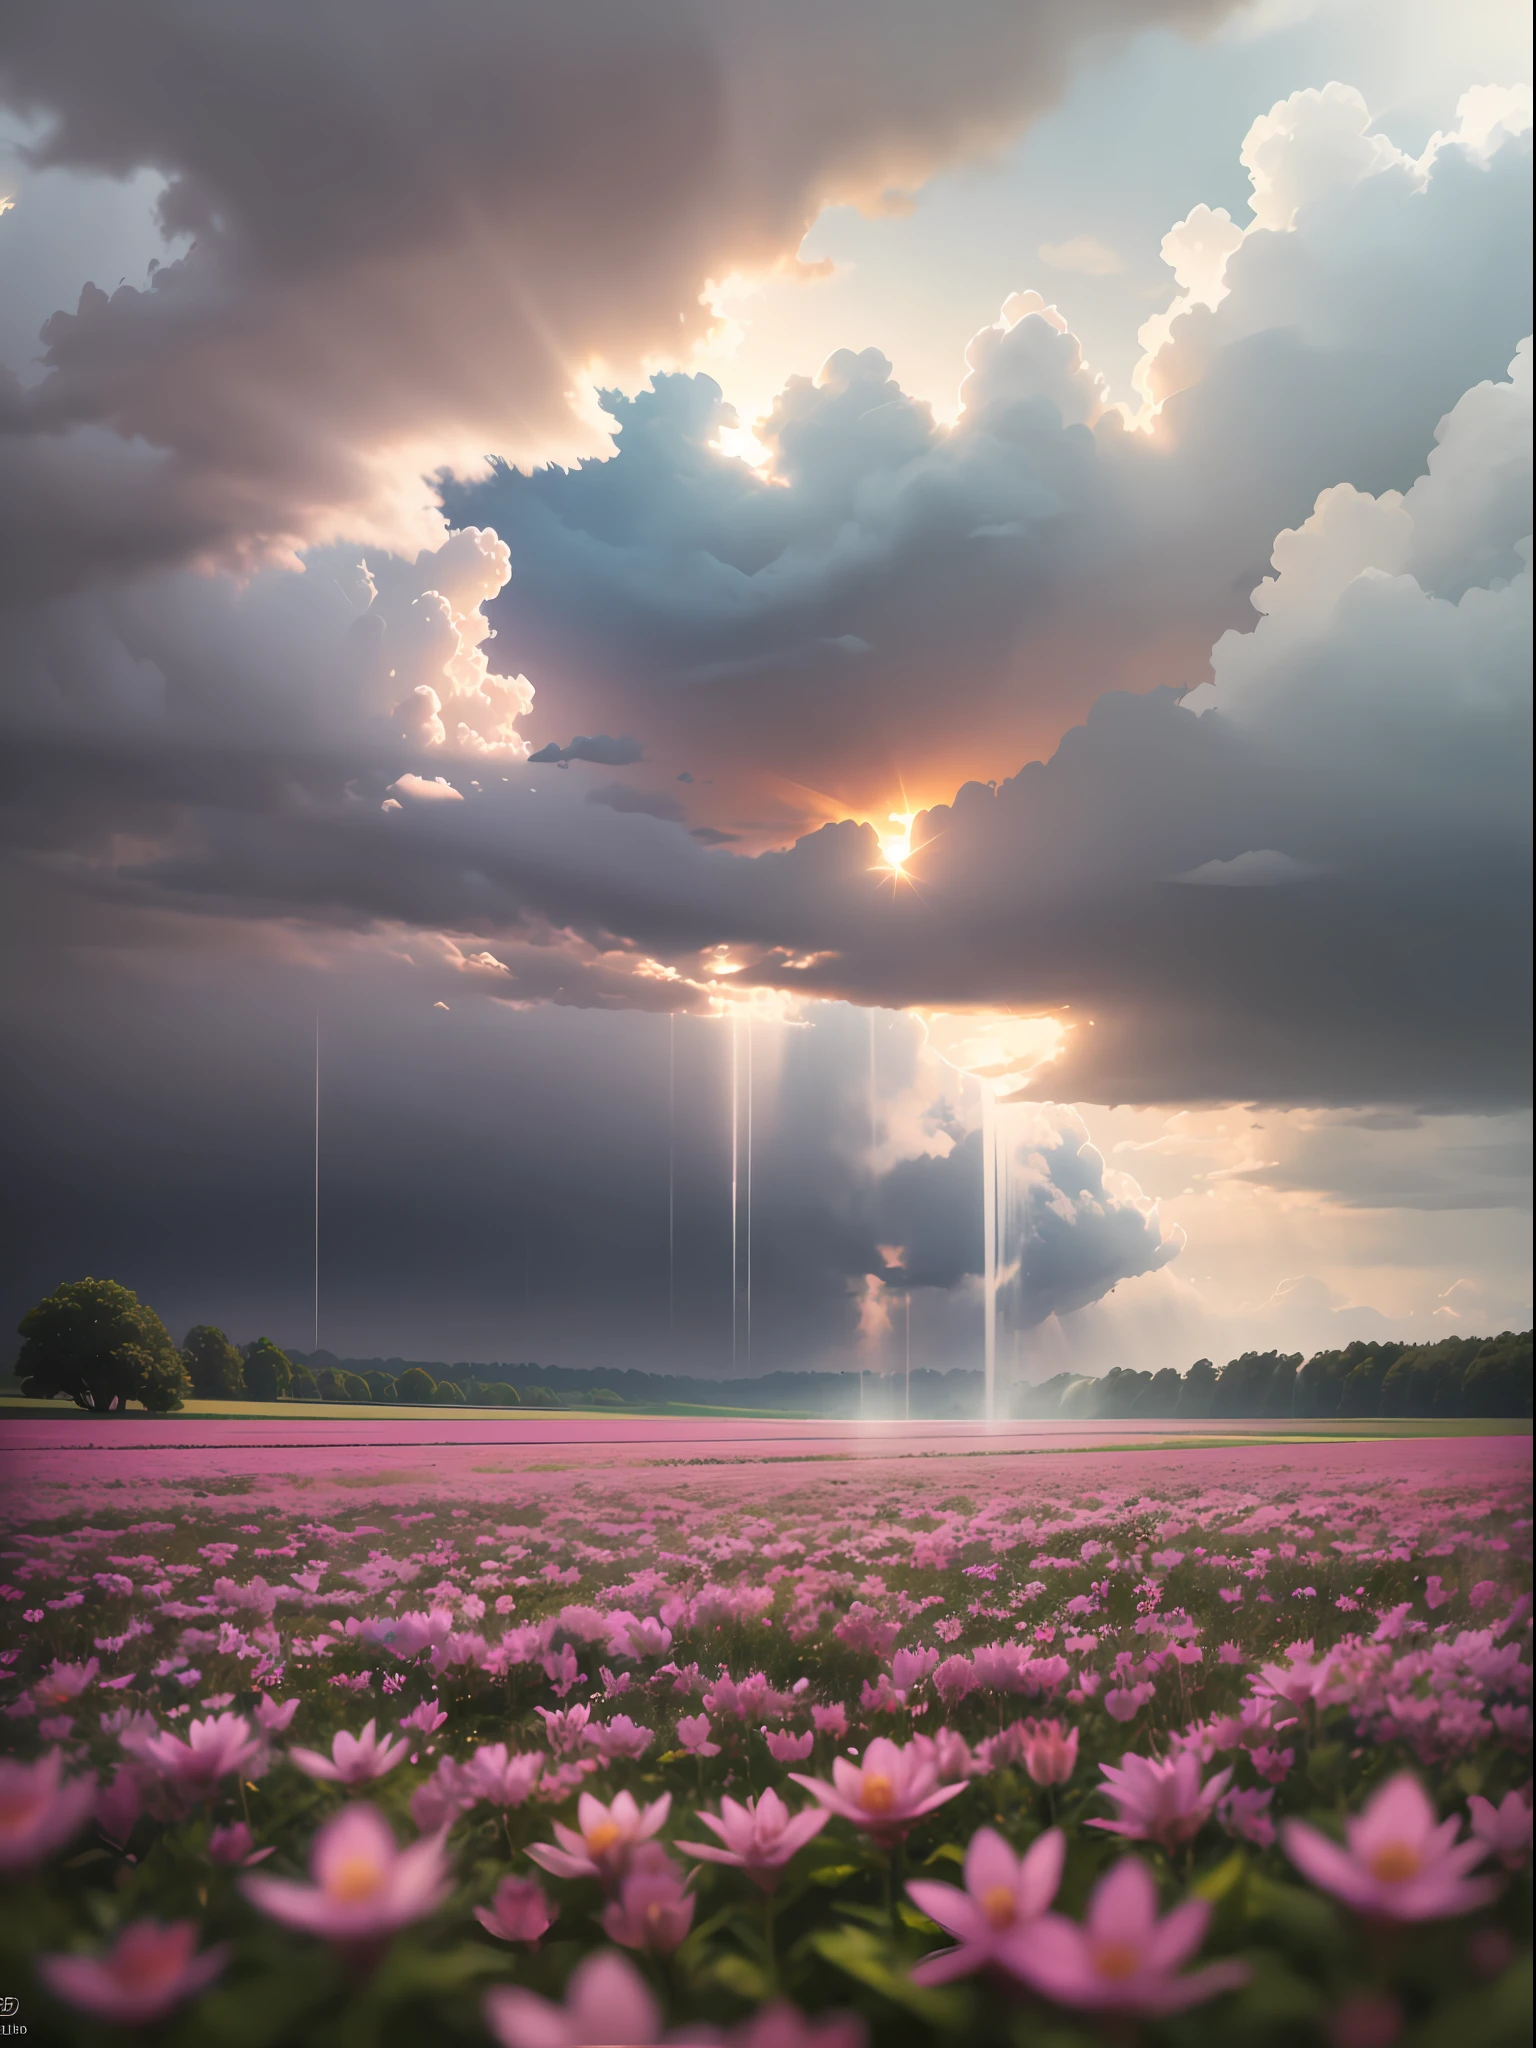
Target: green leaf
column 738, row 1973
column 1219, row 1884
column 860, row 1956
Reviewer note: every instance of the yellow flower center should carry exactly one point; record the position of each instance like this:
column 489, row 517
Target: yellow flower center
column 877, row 1794
column 1396, row 1862
column 1117, row 1960
column 603, row 1836
column 1000, row 1905
column 354, row 1879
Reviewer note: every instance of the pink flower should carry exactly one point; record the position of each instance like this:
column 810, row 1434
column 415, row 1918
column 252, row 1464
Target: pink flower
column 886, row 1794
column 1435, row 1594
column 500, row 1776
column 1246, row 1816
column 235, row 1844
column 39, row 1810
column 1002, row 1893
column 831, row 1721
column 148, row 1971
column 118, row 1806
column 1400, row 1863
column 518, row 1912
column 354, row 1759
column 364, row 1887
column 425, row 1718
column 606, row 2002
column 693, row 1734
column 219, row 1747
column 1125, row 1702
column 1302, row 1679
column 653, row 1909
column 565, row 1728
column 1049, row 1751
column 1160, row 1799
column 759, row 1837
column 65, row 1682
column 1505, row 1829
column 789, row 1749
column 604, row 1838
column 1123, row 1958
column 274, row 1716
column 619, row 1737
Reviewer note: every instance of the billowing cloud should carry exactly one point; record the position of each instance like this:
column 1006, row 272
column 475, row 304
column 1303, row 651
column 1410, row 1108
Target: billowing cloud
column 400, row 238
column 902, row 605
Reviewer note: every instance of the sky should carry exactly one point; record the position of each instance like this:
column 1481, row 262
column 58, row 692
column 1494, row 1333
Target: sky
column 686, row 606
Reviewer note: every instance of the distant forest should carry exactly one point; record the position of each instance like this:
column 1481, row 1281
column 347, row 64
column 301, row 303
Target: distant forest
column 1487, row 1376
column 1458, row 1376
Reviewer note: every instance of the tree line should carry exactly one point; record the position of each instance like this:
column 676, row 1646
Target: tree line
column 1457, row 1376
column 97, row 1343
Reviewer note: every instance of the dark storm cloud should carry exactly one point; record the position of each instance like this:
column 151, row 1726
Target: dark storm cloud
column 494, row 1183
column 411, row 228
column 1358, row 768
column 606, row 752
column 1071, row 1239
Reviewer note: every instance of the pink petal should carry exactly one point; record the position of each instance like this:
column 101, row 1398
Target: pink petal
column 1040, row 1873
column 950, row 1908
column 1123, row 1906
column 989, row 1862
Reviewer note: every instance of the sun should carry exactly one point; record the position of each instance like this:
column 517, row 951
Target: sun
column 896, row 847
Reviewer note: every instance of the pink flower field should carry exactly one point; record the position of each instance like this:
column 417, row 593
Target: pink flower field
column 763, row 1736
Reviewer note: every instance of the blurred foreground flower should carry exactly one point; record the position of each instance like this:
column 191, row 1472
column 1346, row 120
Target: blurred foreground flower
column 364, row 1887
column 1400, row 1862
column 354, row 1759
column 218, row 1748
column 39, row 1810
column 1123, row 1958
column 1003, row 1892
column 148, row 1971
column 607, row 2003
column 885, row 1795
column 759, row 1836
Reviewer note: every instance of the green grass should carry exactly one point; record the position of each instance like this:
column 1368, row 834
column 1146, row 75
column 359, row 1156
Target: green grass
column 1223, row 1429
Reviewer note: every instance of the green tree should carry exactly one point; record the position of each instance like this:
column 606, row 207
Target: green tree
column 381, row 1387
column 605, row 1397
column 538, row 1397
column 446, row 1391
column 1198, row 1389
column 1162, row 1396
column 303, row 1386
column 214, row 1366
column 1498, row 1381
column 414, row 1384
column 499, row 1395
column 97, row 1342
column 268, row 1371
